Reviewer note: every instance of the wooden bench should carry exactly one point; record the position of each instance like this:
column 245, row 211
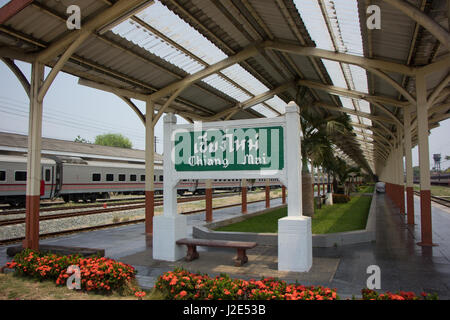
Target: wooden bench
column 241, row 246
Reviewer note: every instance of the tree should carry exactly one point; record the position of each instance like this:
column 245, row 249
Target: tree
column 81, row 140
column 318, row 135
column 113, row 140
column 343, row 172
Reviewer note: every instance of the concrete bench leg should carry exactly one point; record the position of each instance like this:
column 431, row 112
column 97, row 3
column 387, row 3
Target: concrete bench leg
column 192, row 253
column 241, row 257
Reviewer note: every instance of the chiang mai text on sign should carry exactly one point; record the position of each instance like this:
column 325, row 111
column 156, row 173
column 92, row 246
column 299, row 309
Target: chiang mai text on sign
column 260, row 148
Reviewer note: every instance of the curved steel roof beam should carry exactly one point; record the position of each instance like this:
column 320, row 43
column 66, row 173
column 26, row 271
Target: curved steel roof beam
column 352, row 93
column 389, row 113
column 133, row 107
column 437, row 90
column 424, row 20
column 19, row 74
column 354, row 112
column 393, row 83
column 340, row 57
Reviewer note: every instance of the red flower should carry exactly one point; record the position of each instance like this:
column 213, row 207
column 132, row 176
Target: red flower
column 140, row 294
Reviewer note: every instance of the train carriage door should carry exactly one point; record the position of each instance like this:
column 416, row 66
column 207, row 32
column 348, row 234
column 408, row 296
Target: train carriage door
column 47, row 178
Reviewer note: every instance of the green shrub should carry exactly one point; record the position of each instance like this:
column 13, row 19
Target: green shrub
column 340, row 198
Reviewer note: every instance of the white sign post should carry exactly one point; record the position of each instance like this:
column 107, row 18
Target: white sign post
column 294, row 231
column 245, row 149
column 169, row 227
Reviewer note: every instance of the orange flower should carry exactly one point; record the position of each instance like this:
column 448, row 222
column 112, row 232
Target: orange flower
column 183, row 293
column 140, row 294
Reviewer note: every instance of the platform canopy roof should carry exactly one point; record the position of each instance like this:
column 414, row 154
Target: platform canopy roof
column 236, row 59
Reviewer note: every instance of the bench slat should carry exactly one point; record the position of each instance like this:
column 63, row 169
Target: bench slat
column 217, row 243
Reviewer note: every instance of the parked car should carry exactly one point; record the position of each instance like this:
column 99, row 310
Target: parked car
column 380, row 187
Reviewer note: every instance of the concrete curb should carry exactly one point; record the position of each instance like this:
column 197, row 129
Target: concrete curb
column 318, row 240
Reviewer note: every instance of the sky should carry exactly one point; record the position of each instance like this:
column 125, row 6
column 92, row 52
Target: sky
column 72, row 110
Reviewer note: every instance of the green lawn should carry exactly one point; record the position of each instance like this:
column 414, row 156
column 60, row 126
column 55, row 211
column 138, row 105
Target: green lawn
column 336, row 218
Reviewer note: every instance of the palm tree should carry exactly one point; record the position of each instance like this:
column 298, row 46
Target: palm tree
column 318, row 133
column 343, row 171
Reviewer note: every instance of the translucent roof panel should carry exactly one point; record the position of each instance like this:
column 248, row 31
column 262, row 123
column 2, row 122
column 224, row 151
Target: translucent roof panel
column 335, row 71
column 264, row 111
column 153, row 44
column 184, row 47
column 312, row 18
column 347, row 13
column 362, row 131
column 165, row 21
column 366, row 121
column 227, row 87
column 342, row 34
column 364, row 106
column 359, row 78
column 244, row 79
column 354, row 118
column 347, row 103
column 277, row 104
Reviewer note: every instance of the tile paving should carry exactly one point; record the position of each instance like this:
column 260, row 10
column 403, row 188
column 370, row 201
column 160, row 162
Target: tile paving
column 404, row 265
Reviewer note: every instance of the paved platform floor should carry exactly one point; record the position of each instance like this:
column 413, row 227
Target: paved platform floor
column 404, row 265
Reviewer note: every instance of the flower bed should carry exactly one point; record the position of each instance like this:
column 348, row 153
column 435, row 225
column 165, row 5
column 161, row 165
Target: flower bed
column 183, row 285
column 96, row 273
column 368, row 294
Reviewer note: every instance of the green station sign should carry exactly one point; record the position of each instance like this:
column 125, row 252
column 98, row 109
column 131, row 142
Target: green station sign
column 230, row 149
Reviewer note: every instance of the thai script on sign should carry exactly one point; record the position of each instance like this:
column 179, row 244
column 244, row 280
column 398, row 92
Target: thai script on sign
column 229, row 149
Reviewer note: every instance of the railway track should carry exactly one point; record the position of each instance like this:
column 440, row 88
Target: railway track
column 440, row 200
column 117, row 207
column 101, row 203
column 116, row 224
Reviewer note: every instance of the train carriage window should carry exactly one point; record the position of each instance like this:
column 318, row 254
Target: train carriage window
column 142, row 177
column 2, row 175
column 132, row 177
column 96, row 177
column 47, row 175
column 121, row 177
column 20, row 176
column 109, row 177
column 161, row 178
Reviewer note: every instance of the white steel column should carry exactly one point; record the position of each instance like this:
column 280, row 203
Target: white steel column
column 401, row 176
column 424, row 161
column 33, row 190
column 408, row 165
column 149, row 167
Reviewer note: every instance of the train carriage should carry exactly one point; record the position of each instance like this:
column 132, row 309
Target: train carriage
column 13, row 179
column 76, row 176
